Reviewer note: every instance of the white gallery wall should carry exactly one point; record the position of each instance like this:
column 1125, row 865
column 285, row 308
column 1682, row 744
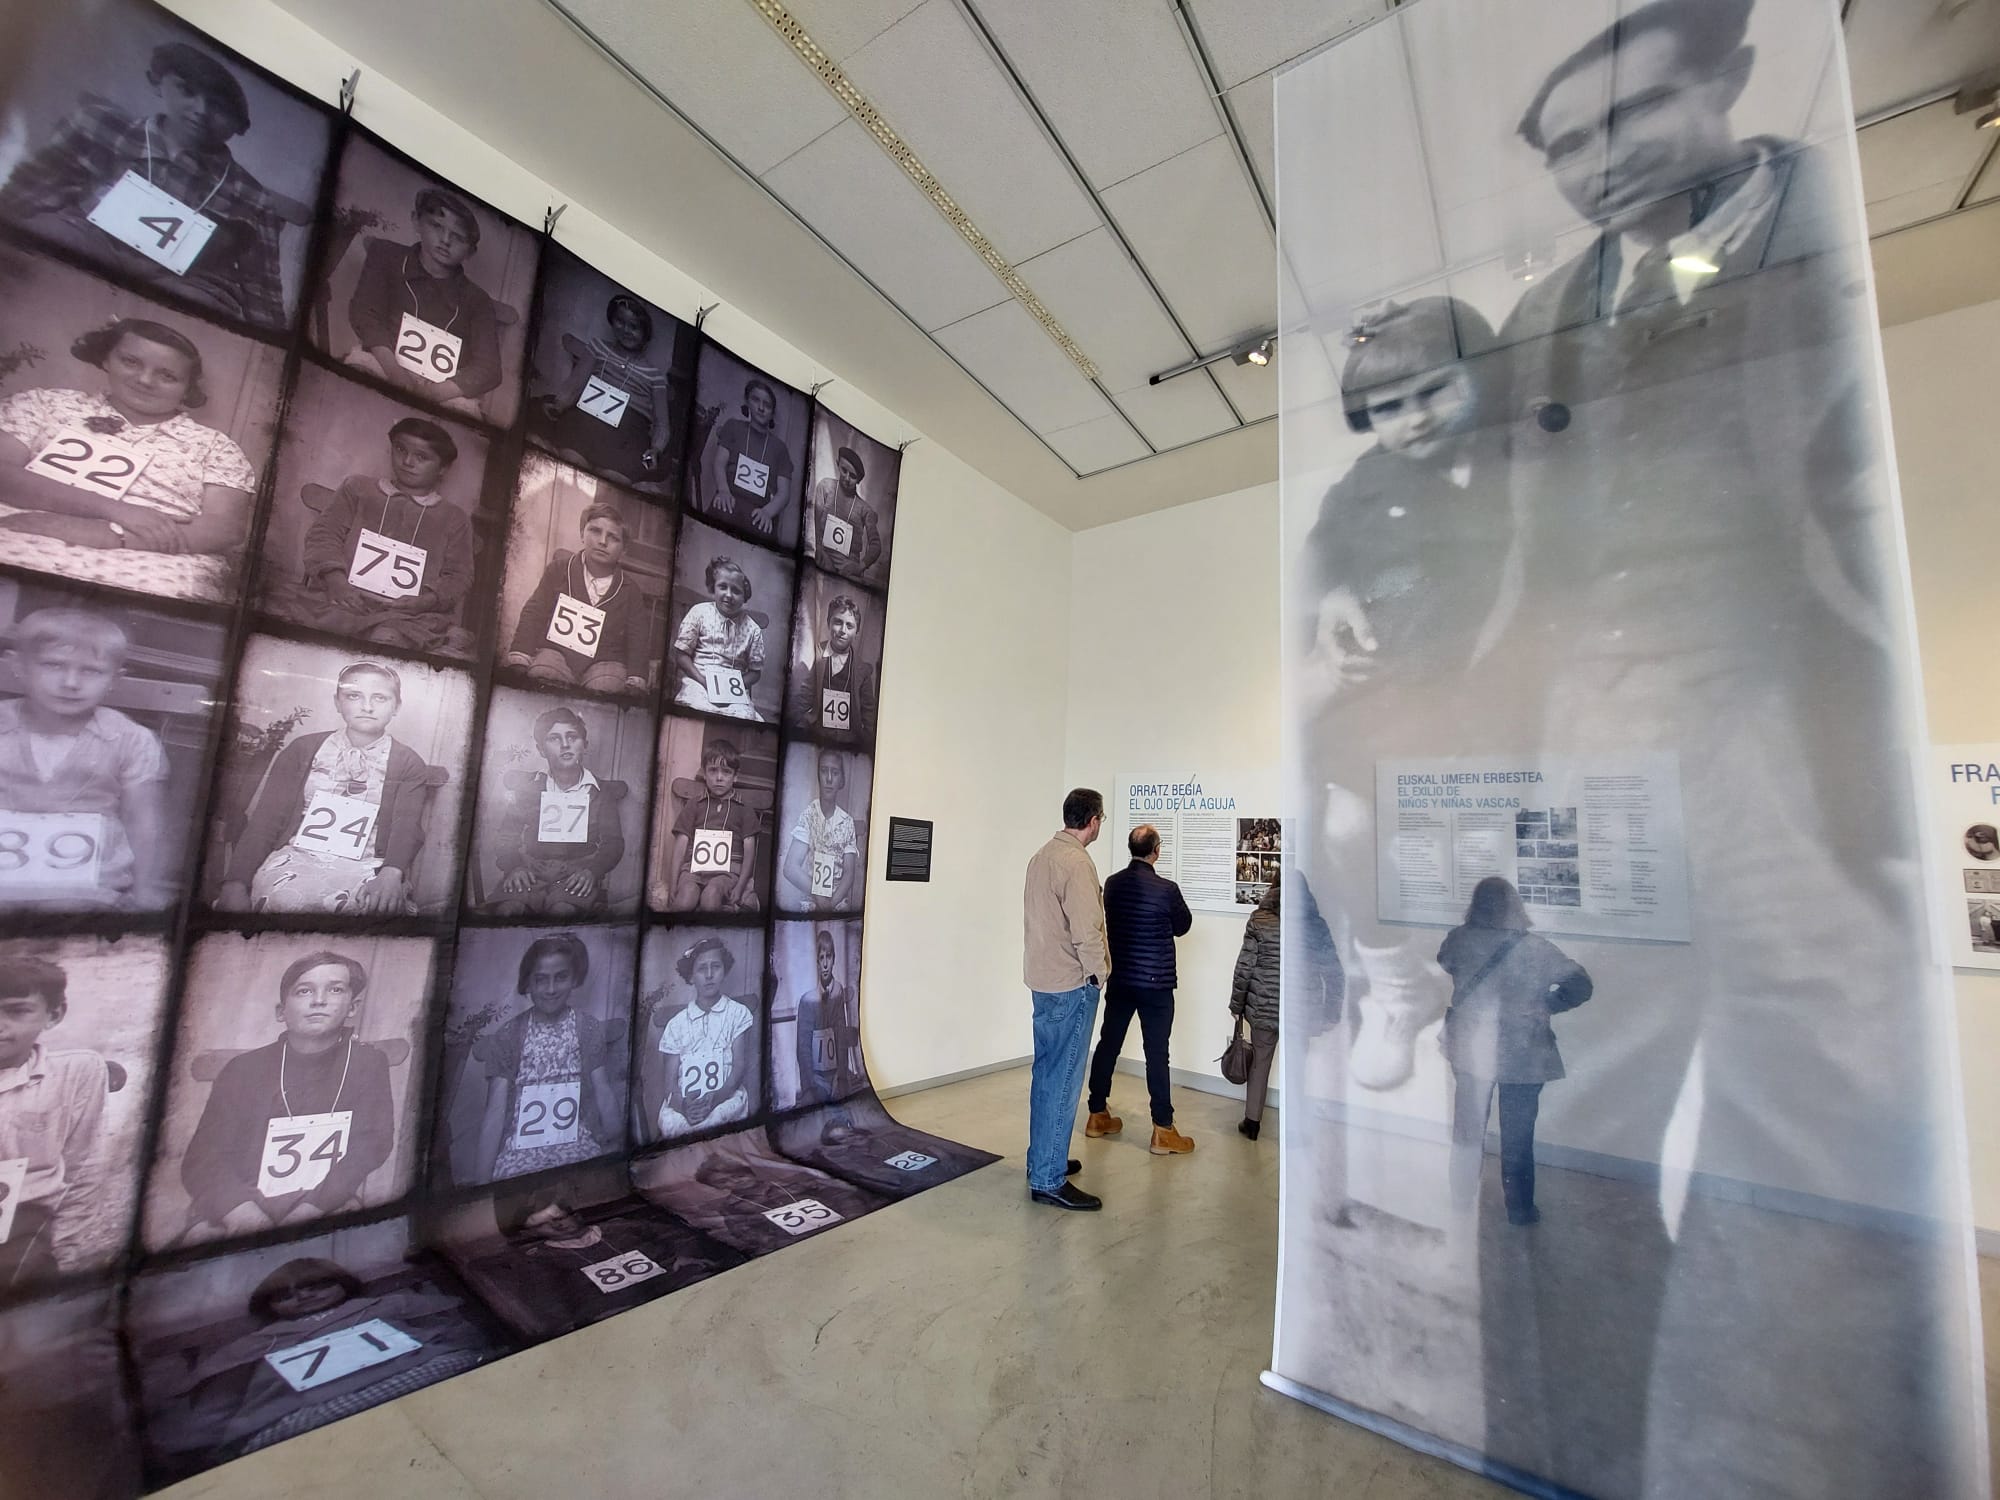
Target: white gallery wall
column 976, row 655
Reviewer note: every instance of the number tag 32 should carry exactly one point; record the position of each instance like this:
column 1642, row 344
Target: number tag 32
column 426, row 350
column 835, row 708
column 327, row 1358
column 88, row 461
column 13, row 1173
column 621, row 1271
column 546, row 1115
column 382, row 565
column 299, row 1150
column 803, row 1216
column 152, row 221
column 338, row 825
column 576, row 626
column 40, row 850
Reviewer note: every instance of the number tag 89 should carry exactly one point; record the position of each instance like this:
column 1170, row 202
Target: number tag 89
column 88, row 461
column 40, row 850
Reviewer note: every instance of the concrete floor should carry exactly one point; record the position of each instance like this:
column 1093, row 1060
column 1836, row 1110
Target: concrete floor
column 963, row 1343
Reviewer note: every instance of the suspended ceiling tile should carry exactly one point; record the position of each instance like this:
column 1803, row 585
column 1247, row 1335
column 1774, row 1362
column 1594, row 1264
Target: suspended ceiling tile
column 1183, row 410
column 1097, row 294
column 1252, row 104
column 1202, row 234
column 1252, row 390
column 1101, row 443
column 843, row 27
column 1898, row 50
column 1924, row 149
column 862, row 203
column 1988, row 186
column 1900, row 210
column 1008, row 352
column 934, row 80
column 1114, row 78
column 1248, row 37
column 760, row 108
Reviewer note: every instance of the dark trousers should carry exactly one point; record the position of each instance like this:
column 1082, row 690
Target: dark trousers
column 1520, row 1104
column 1155, row 1009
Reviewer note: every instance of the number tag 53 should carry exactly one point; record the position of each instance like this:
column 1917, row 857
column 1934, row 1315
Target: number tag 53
column 89, row 462
column 426, row 350
column 803, row 1216
column 152, row 221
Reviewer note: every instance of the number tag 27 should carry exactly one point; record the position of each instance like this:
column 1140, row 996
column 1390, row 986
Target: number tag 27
column 803, row 1216
column 321, row 1361
column 89, row 462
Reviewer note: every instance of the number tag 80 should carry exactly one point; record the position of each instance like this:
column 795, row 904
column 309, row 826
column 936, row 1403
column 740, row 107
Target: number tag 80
column 88, row 461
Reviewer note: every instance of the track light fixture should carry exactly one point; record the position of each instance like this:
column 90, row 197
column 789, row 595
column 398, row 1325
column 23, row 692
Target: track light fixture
column 1255, row 350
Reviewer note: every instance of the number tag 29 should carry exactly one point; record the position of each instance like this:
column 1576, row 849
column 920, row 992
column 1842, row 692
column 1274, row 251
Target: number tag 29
column 344, row 826
column 621, row 1271
column 576, row 626
column 299, row 1150
column 327, row 1358
column 89, row 462
column 604, row 401
column 426, row 350
column 13, row 1173
column 39, row 850
column 546, row 1115
column 803, row 1216
column 152, row 221
column 382, row 565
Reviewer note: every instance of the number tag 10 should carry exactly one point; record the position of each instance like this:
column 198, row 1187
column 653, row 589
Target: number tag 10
column 803, row 1216
column 327, row 1358
column 621, row 1271
column 89, row 462
column 40, row 850
column 299, row 1150
column 382, row 565
column 546, row 1115
column 426, row 350
column 152, row 221
column 13, row 1173
column 343, row 826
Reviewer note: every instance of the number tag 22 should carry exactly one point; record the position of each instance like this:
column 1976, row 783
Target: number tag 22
column 89, row 462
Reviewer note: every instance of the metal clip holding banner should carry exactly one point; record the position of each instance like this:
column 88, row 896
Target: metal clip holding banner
column 701, row 315
column 820, row 385
column 906, row 445
column 348, row 86
column 550, row 215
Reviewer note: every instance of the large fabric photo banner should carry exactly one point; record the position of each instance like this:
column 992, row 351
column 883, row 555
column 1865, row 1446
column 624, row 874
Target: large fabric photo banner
column 1630, row 1162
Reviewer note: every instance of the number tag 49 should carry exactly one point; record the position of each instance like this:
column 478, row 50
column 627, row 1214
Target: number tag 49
column 803, row 1216
column 546, row 1115
column 712, row 851
column 576, row 626
column 604, row 401
column 88, row 461
column 327, row 1358
column 382, row 565
column 299, row 1150
column 152, row 221
column 13, row 1174
column 40, row 850
column 835, row 708
column 338, row 825
column 839, row 536
column 621, row 1271
column 426, row 350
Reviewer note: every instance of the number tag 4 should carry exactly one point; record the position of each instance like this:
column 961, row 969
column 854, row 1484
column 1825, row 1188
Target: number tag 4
column 803, row 1216
column 835, row 709
column 327, row 1358
column 712, row 851
column 88, row 461
column 826, row 871
column 576, row 626
column 426, row 350
column 338, row 825
column 621, row 1271
column 724, row 686
column 565, row 816
column 838, row 536
column 604, row 401
column 13, row 1174
column 43, row 850
column 152, row 221
column 382, row 565
column 299, row 1150
column 546, row 1114
column 910, row 1161
column 752, row 477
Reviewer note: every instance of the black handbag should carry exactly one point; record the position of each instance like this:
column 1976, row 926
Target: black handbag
column 1235, row 1059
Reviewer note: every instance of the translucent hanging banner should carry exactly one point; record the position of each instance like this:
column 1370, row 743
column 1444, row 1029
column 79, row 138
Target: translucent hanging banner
column 1629, row 1161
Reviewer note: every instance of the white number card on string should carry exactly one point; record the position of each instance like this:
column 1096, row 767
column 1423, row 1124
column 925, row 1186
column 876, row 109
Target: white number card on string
column 825, row 872
column 576, row 626
column 835, row 709
column 13, row 1176
column 838, row 535
column 299, row 1150
column 565, row 815
column 725, row 686
column 752, row 477
column 40, row 850
column 153, row 221
column 803, row 1216
column 88, row 461
column 320, row 1361
column 546, row 1115
column 382, row 565
column 604, row 401
column 910, row 1161
column 333, row 824
column 621, row 1271
column 426, row 350
column 712, row 851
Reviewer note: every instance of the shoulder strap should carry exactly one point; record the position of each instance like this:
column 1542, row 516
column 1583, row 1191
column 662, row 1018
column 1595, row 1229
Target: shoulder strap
column 1493, row 962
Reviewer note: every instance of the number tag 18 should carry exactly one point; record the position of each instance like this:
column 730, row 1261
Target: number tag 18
column 13, row 1174
column 426, row 350
column 88, row 461
column 382, row 565
column 546, row 1115
column 327, row 1358
column 712, row 851
column 344, row 826
column 604, row 401
column 299, row 1150
column 40, row 850
column 803, row 1216
column 621, row 1271
column 576, row 626
column 724, row 685
column 152, row 221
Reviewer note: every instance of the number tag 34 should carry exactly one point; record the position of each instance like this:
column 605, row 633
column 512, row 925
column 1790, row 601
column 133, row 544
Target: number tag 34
column 621, row 1271
column 546, row 1115
column 88, row 461
column 344, row 826
column 426, row 350
column 382, row 565
column 152, row 221
column 327, row 1358
column 43, row 850
column 13, row 1173
column 299, row 1150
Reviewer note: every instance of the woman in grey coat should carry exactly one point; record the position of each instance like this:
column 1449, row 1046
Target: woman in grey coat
column 1506, row 983
column 1253, row 996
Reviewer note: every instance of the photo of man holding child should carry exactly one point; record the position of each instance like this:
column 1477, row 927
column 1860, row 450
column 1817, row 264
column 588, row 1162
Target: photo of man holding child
column 589, row 568
column 376, row 531
column 141, row 114
column 746, row 454
column 293, row 1091
column 426, row 289
column 104, row 723
column 731, row 614
column 133, row 437
column 713, row 817
column 851, row 501
column 342, row 776
column 701, row 1009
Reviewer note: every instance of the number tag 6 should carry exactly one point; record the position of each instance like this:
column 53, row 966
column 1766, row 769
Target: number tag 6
column 89, row 462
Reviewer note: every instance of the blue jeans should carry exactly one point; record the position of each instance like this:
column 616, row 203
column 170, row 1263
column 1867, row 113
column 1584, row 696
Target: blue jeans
column 1062, row 1047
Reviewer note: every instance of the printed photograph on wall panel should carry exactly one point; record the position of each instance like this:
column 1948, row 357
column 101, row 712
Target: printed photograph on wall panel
column 1629, row 1165
column 133, row 436
column 747, row 449
column 739, row 1190
column 836, row 661
column 851, row 501
column 67, row 1426
column 731, row 620
column 165, row 159
column 701, row 1030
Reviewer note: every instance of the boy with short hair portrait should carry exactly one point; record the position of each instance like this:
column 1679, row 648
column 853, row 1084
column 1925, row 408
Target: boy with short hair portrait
column 427, row 278
column 839, row 498
column 51, row 1111
column 82, row 787
column 609, row 655
column 558, row 838
column 717, row 813
column 835, row 697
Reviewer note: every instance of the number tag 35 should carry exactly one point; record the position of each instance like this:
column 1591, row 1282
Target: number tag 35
column 88, row 461
column 299, row 1150
column 152, row 221
column 327, row 1358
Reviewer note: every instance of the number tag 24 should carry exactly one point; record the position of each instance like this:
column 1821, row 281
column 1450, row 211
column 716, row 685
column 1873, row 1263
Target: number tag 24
column 299, row 1150
column 13, row 1173
column 152, row 221
column 89, row 462
column 321, row 1361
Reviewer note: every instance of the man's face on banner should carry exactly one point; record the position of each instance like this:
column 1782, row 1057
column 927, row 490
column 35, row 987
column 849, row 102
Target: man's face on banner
column 1625, row 131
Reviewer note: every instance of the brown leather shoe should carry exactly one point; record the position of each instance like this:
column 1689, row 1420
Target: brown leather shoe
column 1102, row 1123
column 1168, row 1141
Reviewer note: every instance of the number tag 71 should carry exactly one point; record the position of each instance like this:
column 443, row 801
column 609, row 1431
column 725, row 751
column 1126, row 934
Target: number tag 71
column 321, row 1361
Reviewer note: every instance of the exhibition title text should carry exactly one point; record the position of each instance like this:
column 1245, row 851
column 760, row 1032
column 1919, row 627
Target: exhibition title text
column 1174, row 796
column 1459, row 788
column 1972, row 771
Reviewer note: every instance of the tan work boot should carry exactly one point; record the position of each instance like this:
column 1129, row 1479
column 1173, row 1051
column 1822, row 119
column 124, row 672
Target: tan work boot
column 1168, row 1141
column 1102, row 1123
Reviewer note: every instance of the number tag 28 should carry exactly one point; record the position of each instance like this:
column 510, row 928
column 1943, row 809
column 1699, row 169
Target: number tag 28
column 152, row 221
column 621, row 1271
column 327, row 1358
column 299, row 1150
column 89, row 462
column 803, row 1216
column 382, row 565
column 344, row 826
column 13, row 1173
column 576, row 626
column 39, row 850
column 426, row 350
column 546, row 1115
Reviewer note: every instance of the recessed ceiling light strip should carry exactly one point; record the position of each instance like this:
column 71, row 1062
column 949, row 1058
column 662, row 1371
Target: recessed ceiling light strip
column 898, row 150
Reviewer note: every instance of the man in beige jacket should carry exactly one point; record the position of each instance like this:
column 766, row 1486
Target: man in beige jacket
column 1067, row 964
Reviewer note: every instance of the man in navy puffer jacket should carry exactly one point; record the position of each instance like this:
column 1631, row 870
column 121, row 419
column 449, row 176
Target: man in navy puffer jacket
column 1143, row 914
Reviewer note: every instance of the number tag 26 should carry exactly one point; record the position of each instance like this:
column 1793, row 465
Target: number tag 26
column 89, row 462
column 321, row 1361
